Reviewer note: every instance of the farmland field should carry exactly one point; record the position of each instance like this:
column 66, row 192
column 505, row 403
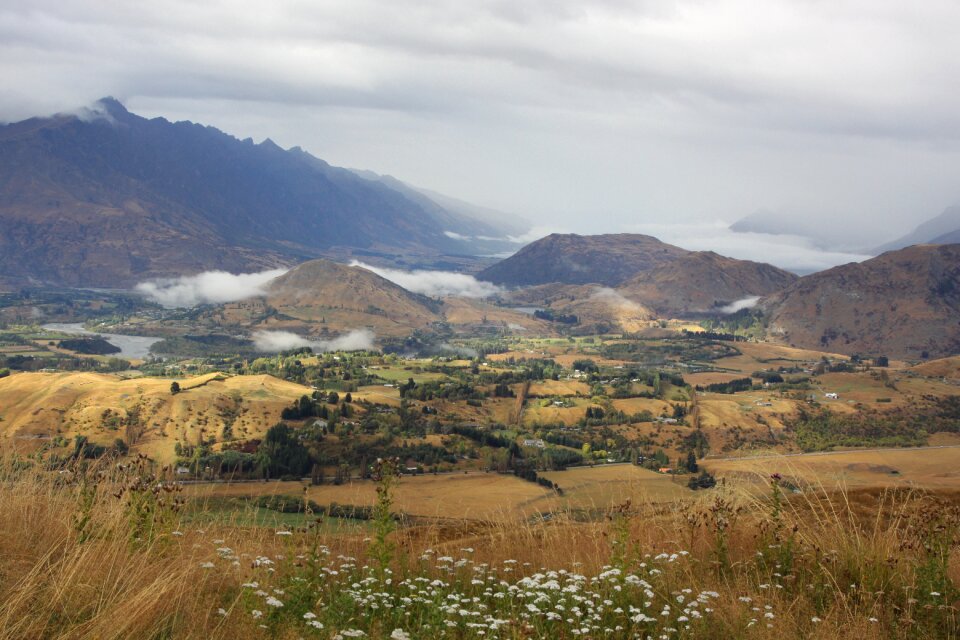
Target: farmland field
column 477, row 495
column 929, row 468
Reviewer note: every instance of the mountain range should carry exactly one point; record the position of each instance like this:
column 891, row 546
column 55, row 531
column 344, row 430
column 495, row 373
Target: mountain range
column 107, row 198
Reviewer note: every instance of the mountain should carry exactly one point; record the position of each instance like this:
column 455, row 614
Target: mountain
column 107, row 198
column 903, row 304
column 319, row 288
column 481, row 230
column 703, row 282
column 943, row 229
column 777, row 224
column 574, row 259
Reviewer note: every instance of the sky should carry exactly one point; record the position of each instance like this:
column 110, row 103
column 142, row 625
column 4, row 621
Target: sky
column 581, row 116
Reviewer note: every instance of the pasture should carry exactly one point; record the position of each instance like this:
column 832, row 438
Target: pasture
column 926, row 468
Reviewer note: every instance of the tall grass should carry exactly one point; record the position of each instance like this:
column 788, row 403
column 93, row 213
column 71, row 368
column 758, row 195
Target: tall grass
column 115, row 552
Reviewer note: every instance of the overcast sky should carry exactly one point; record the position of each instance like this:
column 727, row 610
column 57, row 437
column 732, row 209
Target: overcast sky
column 579, row 115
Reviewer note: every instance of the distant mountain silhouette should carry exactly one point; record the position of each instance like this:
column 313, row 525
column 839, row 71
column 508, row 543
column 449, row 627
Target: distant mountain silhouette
column 942, row 229
column 107, row 198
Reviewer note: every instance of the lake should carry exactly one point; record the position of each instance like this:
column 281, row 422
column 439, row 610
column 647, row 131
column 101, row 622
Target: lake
column 135, row 347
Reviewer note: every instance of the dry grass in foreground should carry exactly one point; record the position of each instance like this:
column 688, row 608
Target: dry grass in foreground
column 112, row 553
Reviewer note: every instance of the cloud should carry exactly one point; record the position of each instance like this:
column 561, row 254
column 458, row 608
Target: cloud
column 96, row 112
column 435, row 283
column 209, row 287
column 455, row 236
column 744, row 303
column 615, row 300
column 794, row 253
column 534, row 233
column 590, row 114
column 274, row 341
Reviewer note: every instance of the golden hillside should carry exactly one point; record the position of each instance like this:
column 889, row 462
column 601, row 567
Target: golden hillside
column 316, row 289
column 37, row 407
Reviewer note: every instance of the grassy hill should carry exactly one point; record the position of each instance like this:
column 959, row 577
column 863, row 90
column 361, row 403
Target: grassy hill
column 36, row 408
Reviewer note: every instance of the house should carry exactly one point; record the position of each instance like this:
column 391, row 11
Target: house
column 665, row 470
column 831, row 396
column 182, row 471
column 540, row 444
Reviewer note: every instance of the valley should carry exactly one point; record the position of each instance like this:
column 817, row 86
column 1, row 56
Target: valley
column 247, row 393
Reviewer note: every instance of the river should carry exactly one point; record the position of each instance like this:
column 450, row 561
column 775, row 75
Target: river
column 131, row 347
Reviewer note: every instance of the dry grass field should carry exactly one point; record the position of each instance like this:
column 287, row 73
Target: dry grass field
column 929, row 468
column 561, row 388
column 480, row 496
column 942, row 368
column 35, row 407
column 534, row 414
column 604, row 486
column 766, row 355
column 471, row 496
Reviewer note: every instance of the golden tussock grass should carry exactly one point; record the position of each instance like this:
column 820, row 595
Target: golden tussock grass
column 107, row 552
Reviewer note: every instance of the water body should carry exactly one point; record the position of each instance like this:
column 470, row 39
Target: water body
column 135, row 347
column 527, row 310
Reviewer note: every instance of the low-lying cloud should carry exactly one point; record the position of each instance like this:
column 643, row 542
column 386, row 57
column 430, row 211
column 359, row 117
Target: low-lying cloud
column 793, row 253
column 274, row 341
column 616, row 300
column 209, row 287
column 435, row 283
column 739, row 305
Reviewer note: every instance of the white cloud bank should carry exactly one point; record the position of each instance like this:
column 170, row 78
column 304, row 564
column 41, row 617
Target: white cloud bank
column 794, row 253
column 209, row 287
column 739, row 305
column 435, row 283
column 274, row 341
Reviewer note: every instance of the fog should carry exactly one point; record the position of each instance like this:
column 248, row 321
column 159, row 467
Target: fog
column 739, row 305
column 209, row 287
column 614, row 299
column 275, row 341
column 793, row 253
column 435, row 283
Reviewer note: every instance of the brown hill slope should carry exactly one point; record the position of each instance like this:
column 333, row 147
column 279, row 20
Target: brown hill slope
column 574, row 259
column 901, row 304
column 349, row 297
column 702, row 281
column 940, row 368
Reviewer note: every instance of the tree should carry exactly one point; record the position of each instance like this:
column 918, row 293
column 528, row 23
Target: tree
column 333, row 397
column 174, row 387
column 284, row 452
column 703, row 481
column 348, row 398
column 691, row 464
